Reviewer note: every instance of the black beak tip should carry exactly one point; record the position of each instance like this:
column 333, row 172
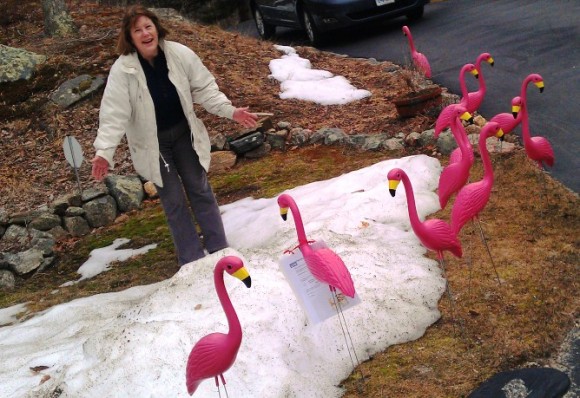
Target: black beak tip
column 470, row 121
column 515, row 114
column 392, row 192
column 247, row 281
column 541, row 89
column 284, row 216
column 492, row 64
column 502, row 138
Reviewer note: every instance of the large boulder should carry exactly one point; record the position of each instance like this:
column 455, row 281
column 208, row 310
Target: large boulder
column 17, row 64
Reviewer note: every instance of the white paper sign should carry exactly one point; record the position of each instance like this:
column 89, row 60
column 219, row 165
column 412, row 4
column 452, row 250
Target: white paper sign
column 314, row 297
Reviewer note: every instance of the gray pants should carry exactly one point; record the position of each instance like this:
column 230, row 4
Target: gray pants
column 184, row 179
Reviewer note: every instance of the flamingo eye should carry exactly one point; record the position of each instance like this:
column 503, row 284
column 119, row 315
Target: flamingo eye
column 229, row 267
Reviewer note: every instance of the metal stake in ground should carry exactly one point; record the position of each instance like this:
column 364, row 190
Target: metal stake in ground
column 74, row 156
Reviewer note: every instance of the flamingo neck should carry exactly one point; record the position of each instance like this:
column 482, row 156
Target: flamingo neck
column 298, row 223
column 462, row 84
column 411, row 207
column 524, row 89
column 480, row 78
column 235, row 329
column 486, row 160
column 411, row 44
column 461, row 138
column 525, row 122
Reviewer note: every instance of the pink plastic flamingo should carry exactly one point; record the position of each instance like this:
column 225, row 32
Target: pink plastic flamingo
column 419, row 59
column 323, row 263
column 473, row 197
column 455, row 175
column 448, row 118
column 434, row 234
column 509, row 121
column 475, row 98
column 215, row 353
column 537, row 148
column 465, row 100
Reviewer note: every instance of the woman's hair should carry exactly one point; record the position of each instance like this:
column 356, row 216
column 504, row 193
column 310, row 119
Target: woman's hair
column 125, row 44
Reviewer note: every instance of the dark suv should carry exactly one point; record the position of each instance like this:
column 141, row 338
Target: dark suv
column 317, row 17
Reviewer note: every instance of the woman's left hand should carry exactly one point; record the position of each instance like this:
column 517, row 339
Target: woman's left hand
column 245, row 118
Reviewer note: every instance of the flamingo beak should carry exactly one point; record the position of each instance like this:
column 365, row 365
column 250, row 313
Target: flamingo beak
column 499, row 134
column 284, row 213
column 490, row 61
column 467, row 117
column 393, row 184
column 243, row 275
column 515, row 110
column 475, row 73
column 540, row 85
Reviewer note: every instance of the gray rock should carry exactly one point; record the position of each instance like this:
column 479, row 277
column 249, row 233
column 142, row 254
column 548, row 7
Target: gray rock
column 23, row 263
column 90, row 194
column 45, row 222
column 218, row 142
column 446, row 143
column 101, row 211
column 58, row 232
column 76, row 226
column 393, row 144
column 412, row 139
column 276, row 141
column 373, row 142
column 221, row 161
column 76, row 89
column 427, row 138
column 74, row 211
column 335, row 136
column 7, row 280
column 24, row 237
column 17, row 64
column 4, row 217
column 299, row 137
column 284, row 125
column 127, row 191
column 259, row 152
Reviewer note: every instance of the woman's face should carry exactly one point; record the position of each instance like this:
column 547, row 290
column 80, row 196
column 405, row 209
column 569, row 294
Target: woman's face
column 145, row 37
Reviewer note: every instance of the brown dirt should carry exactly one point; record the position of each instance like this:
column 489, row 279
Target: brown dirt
column 531, row 222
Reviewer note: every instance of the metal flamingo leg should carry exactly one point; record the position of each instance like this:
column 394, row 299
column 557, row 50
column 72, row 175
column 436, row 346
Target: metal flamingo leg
column 488, row 251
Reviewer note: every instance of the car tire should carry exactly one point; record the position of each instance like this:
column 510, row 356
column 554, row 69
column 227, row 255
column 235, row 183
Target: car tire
column 314, row 35
column 265, row 30
column 416, row 14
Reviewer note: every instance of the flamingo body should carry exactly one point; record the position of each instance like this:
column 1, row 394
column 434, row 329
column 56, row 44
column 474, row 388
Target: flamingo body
column 473, row 197
column 455, row 175
column 324, row 264
column 434, row 234
column 419, row 59
column 509, row 121
column 537, row 148
column 215, row 353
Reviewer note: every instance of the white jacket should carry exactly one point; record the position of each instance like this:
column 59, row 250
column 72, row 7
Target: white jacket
column 127, row 108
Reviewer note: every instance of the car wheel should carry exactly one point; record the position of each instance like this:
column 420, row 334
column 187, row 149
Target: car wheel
column 314, row 35
column 265, row 30
column 416, row 14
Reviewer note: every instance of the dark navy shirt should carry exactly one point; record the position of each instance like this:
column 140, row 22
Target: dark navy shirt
column 168, row 110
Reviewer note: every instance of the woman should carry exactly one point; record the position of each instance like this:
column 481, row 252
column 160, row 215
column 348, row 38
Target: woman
column 149, row 97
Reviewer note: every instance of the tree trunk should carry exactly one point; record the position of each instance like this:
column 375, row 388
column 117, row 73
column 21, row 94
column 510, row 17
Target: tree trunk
column 57, row 20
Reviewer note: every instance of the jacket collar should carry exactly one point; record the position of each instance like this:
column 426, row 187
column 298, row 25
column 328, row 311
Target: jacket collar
column 130, row 62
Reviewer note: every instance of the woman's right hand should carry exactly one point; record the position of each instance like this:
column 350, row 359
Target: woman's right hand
column 100, row 168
